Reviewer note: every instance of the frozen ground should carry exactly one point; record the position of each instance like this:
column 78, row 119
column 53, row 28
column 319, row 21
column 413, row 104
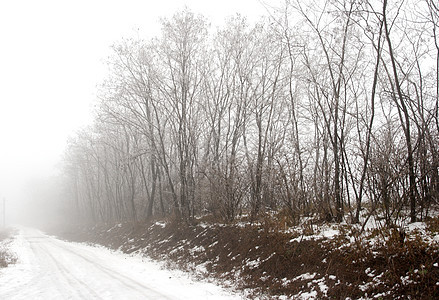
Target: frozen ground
column 48, row 268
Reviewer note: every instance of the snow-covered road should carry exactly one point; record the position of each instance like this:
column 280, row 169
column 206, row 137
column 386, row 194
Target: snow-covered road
column 49, row 268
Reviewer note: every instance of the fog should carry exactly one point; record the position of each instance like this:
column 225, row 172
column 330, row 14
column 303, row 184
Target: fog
column 52, row 58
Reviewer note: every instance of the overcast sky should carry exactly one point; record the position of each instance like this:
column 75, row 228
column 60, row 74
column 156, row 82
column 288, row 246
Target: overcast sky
column 52, row 55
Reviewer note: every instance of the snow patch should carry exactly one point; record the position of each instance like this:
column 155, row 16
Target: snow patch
column 253, row 264
column 161, row 224
column 197, row 249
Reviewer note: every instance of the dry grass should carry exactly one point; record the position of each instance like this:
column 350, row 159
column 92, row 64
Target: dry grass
column 6, row 258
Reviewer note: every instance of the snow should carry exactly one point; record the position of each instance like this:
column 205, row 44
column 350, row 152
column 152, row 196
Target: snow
column 322, row 286
column 203, row 225
column 420, row 226
column 213, row 244
column 48, row 268
column 324, row 232
column 197, row 249
column 5, row 253
column 115, row 226
column 161, row 224
column 253, row 264
column 305, row 276
column 202, row 268
column 308, row 295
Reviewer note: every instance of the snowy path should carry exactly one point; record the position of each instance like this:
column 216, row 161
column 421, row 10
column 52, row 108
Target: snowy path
column 49, row 268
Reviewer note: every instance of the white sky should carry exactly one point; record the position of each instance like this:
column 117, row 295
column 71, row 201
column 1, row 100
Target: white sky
column 51, row 59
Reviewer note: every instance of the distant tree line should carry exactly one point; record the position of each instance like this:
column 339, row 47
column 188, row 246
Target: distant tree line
column 325, row 108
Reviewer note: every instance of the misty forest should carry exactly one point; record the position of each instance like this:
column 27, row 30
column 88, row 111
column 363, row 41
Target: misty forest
column 296, row 157
column 326, row 109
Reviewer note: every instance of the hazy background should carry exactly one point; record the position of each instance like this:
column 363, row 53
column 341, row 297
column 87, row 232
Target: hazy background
column 52, row 56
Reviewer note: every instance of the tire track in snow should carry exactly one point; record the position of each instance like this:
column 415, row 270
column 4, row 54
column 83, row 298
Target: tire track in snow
column 56, row 271
column 72, row 280
column 127, row 281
